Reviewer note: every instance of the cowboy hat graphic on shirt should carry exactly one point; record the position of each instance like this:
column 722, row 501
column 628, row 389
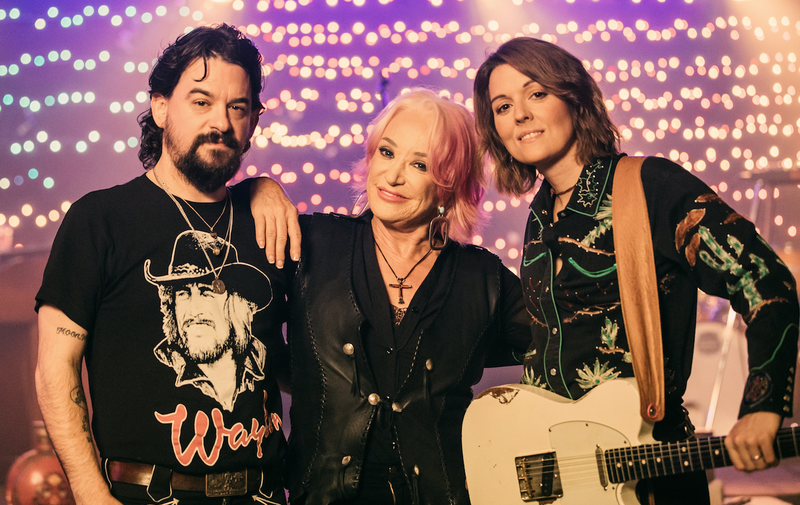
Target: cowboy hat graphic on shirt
column 189, row 264
column 221, row 331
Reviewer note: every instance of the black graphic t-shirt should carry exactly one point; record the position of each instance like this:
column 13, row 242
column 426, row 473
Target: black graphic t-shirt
column 579, row 338
column 185, row 328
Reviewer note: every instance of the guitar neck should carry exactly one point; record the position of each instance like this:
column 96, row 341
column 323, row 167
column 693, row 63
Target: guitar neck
column 658, row 460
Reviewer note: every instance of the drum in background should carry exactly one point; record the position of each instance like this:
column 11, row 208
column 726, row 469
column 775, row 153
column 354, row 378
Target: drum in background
column 699, row 390
column 712, row 308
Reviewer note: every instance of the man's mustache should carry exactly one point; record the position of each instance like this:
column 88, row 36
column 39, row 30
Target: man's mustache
column 197, row 320
column 215, row 137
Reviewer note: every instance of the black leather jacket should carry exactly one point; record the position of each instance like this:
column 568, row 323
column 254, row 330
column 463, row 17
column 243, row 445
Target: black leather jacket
column 334, row 396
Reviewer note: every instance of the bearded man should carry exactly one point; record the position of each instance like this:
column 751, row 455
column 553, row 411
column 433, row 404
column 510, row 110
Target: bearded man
column 213, row 435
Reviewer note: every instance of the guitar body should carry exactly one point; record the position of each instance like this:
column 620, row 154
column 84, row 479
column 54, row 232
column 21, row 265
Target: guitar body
column 523, row 444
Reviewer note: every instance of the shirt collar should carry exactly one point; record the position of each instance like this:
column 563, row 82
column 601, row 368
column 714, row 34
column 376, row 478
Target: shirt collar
column 589, row 190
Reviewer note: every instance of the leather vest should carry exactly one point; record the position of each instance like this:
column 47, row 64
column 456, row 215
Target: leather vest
column 334, row 397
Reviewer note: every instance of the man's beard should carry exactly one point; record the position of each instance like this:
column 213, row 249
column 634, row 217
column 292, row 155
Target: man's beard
column 206, row 176
column 209, row 353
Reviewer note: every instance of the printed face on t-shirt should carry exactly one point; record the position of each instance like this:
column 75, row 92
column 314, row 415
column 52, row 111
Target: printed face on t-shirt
column 203, row 328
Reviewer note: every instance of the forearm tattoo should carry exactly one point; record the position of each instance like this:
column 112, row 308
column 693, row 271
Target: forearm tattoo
column 79, row 398
column 74, row 334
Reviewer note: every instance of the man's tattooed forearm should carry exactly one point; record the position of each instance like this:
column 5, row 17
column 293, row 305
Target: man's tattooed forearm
column 78, row 397
column 74, row 334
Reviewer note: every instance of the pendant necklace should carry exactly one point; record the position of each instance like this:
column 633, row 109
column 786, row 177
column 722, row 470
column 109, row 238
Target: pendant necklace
column 217, row 285
column 561, row 193
column 215, row 250
column 401, row 280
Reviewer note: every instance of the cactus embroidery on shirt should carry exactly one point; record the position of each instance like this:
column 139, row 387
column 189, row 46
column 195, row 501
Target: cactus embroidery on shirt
column 608, row 337
column 723, row 261
column 604, row 216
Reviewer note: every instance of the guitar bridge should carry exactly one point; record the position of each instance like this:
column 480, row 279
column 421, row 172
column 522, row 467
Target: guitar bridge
column 538, row 477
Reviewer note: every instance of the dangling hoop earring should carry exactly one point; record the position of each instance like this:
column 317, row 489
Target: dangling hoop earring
column 355, row 205
column 443, row 224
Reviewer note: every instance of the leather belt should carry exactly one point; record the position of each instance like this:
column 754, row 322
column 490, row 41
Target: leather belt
column 213, row 484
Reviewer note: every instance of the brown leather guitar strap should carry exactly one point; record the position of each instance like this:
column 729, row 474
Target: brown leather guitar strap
column 638, row 287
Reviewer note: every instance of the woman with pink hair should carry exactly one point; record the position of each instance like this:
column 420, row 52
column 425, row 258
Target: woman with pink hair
column 394, row 316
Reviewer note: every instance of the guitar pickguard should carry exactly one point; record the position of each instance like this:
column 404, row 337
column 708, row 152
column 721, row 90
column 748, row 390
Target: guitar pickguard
column 586, row 478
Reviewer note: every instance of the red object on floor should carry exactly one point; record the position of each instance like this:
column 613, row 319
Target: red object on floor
column 36, row 477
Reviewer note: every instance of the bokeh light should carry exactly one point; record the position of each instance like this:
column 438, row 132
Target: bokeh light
column 714, row 87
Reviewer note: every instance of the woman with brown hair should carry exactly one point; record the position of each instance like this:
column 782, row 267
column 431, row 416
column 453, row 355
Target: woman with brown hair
column 541, row 115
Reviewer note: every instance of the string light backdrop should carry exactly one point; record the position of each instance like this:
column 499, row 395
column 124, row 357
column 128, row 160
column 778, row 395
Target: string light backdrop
column 712, row 85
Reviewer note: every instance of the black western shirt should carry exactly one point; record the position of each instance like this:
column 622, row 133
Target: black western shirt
column 578, row 333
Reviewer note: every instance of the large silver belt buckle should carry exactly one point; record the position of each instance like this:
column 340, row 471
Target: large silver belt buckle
column 226, row 484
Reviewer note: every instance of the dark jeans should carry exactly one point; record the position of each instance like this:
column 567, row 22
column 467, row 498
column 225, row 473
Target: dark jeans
column 685, row 489
column 378, row 487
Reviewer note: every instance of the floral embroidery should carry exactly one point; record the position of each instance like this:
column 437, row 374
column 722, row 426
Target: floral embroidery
column 592, row 377
column 530, row 379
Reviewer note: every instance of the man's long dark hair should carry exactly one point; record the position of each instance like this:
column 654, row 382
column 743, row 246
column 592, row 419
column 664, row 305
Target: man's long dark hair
column 223, row 41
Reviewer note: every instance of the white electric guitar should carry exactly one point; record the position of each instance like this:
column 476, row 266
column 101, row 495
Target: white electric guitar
column 524, row 444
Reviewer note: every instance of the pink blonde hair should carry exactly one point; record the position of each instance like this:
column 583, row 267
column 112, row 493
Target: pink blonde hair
column 455, row 165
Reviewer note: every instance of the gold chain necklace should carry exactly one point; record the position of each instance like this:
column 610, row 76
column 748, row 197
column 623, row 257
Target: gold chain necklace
column 401, row 280
column 217, row 285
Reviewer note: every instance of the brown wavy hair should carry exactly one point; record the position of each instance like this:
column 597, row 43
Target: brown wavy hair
column 562, row 75
column 222, row 41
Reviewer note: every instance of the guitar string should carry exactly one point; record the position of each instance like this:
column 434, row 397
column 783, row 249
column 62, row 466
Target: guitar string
column 630, row 456
column 628, row 470
column 693, row 453
column 669, row 454
column 687, row 457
